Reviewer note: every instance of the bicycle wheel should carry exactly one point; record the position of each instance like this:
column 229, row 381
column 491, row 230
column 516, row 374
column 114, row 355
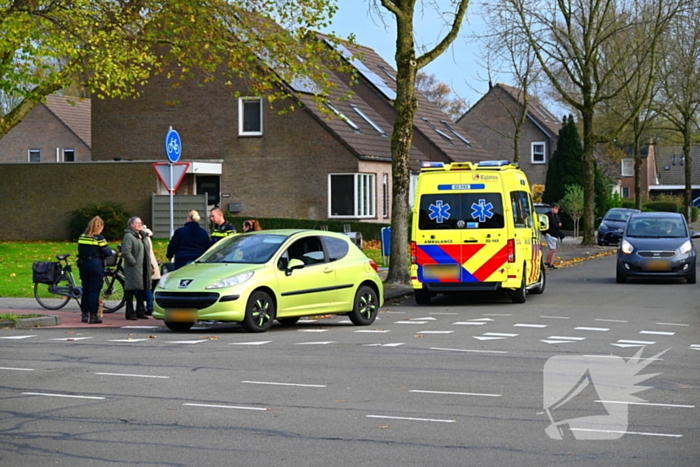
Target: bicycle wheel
column 112, row 293
column 49, row 300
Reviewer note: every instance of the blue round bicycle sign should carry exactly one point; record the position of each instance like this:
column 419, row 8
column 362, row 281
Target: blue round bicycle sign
column 173, row 145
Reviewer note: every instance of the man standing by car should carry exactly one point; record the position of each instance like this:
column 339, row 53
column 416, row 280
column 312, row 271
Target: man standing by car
column 222, row 228
column 552, row 235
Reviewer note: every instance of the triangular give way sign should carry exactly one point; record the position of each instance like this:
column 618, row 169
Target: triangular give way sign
column 179, row 171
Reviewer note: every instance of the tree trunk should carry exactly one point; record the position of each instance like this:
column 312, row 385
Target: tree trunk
column 589, row 177
column 688, row 192
column 637, row 166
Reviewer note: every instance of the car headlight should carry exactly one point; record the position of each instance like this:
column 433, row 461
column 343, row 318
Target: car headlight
column 626, row 247
column 603, row 226
column 686, row 247
column 163, row 280
column 232, row 280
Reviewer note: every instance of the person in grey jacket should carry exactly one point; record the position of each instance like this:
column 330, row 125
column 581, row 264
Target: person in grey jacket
column 137, row 269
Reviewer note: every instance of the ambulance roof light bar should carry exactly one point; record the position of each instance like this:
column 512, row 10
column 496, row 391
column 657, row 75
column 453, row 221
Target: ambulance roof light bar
column 493, row 163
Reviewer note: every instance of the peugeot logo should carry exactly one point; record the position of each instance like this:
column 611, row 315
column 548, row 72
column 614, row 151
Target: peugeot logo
column 184, row 283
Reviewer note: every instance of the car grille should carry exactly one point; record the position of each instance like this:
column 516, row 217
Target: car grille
column 196, row 300
column 657, row 254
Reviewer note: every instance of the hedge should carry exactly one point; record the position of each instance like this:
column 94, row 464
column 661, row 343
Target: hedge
column 112, row 214
column 662, row 206
column 369, row 230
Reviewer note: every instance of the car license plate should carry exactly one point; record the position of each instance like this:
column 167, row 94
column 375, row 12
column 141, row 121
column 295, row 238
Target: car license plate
column 181, row 315
column 658, row 265
column 441, row 272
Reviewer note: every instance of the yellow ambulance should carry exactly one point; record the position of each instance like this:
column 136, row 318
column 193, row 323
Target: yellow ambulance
column 475, row 229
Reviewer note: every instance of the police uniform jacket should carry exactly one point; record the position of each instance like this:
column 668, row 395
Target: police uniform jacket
column 222, row 231
column 93, row 247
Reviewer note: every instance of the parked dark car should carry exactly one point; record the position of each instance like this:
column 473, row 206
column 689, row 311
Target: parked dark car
column 612, row 225
column 657, row 244
column 542, row 208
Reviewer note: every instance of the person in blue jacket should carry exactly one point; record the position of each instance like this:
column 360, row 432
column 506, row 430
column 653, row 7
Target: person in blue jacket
column 92, row 251
column 189, row 242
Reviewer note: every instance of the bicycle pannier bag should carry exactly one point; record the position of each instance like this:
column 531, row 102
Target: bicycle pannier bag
column 46, row 272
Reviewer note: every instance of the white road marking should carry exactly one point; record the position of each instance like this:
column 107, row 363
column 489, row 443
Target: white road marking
column 135, row 376
column 612, row 320
column 520, row 325
column 17, row 369
column 567, row 338
column 456, row 393
column 469, row 350
column 127, row 340
column 286, row 384
column 411, row 322
column 581, row 328
column 17, row 337
column 315, row 343
column 410, row 418
column 71, row 339
column 622, row 341
column 672, row 324
column 384, row 345
column 628, row 432
column 429, row 318
column 306, row 321
column 487, row 338
column 141, row 327
column 624, row 346
column 658, row 333
column 226, row 407
column 345, row 321
column 434, row 332
column 547, row 341
column 470, row 323
column 62, row 395
column 312, row 330
column 615, row 356
column 250, row 343
column 372, row 330
column 199, row 341
column 504, row 334
column 648, row 403
column 555, row 317
column 695, row 346
column 481, row 319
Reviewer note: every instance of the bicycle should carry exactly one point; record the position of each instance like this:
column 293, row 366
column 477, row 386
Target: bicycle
column 66, row 287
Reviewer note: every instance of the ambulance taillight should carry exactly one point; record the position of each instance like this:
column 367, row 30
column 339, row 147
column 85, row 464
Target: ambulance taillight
column 510, row 250
column 413, row 252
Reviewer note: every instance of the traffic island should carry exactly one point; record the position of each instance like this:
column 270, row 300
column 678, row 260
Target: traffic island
column 18, row 322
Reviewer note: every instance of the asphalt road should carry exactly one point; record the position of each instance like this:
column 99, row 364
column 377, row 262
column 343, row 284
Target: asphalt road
column 462, row 382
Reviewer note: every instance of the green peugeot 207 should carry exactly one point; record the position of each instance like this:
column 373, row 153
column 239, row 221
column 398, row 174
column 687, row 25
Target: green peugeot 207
column 255, row 278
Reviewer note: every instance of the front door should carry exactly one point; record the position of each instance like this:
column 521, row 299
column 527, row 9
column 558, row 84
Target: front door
column 211, row 185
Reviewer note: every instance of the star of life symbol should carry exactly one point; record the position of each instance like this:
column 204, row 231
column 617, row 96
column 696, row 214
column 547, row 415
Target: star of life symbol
column 439, row 212
column 614, row 381
column 482, row 211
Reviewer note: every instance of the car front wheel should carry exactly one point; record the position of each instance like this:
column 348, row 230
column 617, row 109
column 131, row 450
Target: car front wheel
column 519, row 295
column 692, row 277
column 260, row 312
column 620, row 277
column 178, row 327
column 366, row 306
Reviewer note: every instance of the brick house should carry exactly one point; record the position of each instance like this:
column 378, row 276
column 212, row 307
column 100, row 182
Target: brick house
column 649, row 176
column 57, row 130
column 306, row 163
column 492, row 119
column 670, row 169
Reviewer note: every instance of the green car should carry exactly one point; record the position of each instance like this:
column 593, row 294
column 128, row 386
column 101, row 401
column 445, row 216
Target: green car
column 255, row 278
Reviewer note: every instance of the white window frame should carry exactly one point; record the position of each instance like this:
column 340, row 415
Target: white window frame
column 385, row 196
column 29, row 155
column 626, row 192
column 543, row 154
column 364, row 196
column 241, row 113
column 627, row 167
column 69, row 150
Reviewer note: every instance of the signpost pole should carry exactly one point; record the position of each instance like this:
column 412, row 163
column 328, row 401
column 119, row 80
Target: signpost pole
column 173, row 149
column 172, row 226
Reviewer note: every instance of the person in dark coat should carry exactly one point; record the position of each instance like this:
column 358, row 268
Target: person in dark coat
column 552, row 235
column 137, row 269
column 222, row 228
column 92, row 251
column 189, row 242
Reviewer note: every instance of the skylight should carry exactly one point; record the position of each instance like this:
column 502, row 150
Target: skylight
column 369, row 75
column 441, row 133
column 343, row 117
column 388, row 73
column 454, row 132
column 367, row 119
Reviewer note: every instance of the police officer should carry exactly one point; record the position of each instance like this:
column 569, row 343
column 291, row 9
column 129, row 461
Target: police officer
column 222, row 228
column 92, row 250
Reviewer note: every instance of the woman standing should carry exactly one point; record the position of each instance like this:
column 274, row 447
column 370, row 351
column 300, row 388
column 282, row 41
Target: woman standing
column 189, row 242
column 146, row 234
column 137, row 269
column 92, row 250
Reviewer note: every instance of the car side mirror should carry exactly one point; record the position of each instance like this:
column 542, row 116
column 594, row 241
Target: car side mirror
column 695, row 235
column 544, row 222
column 294, row 264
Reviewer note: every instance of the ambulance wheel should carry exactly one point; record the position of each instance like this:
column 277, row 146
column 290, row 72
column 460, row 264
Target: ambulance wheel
column 519, row 295
column 541, row 282
column 422, row 296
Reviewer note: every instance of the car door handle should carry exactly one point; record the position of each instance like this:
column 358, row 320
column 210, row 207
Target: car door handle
column 328, row 270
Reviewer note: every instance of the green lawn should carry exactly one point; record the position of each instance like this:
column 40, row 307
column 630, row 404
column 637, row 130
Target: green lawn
column 16, row 260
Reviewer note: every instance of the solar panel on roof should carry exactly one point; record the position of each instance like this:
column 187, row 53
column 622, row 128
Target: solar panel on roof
column 369, row 75
column 388, row 73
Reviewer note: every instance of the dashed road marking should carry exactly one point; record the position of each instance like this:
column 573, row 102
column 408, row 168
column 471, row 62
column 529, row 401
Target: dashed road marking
column 17, row 337
column 496, row 314
column 226, row 407
column 411, row 418
column 434, row 332
column 488, row 338
column 582, row 328
column 629, row 432
column 555, row 317
column 549, row 341
column 567, row 338
column 312, row 330
column 469, row 323
column 623, row 341
column 127, row 340
column 456, row 393
column 17, row 369
column 469, row 350
column 315, row 343
column 285, row 384
column 612, row 320
column 501, row 334
column 393, row 344
column 71, row 339
column 522, row 325
column 411, row 322
column 134, row 376
column 651, row 404
column 373, row 330
column 672, row 324
column 250, row 343
column 62, row 395
column 199, row 341
column 658, row 333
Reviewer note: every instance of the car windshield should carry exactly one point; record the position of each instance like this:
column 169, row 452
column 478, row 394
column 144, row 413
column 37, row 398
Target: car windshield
column 253, row 248
column 618, row 216
column 657, row 228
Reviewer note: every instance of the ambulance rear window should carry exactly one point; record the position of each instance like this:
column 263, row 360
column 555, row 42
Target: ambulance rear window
column 460, row 211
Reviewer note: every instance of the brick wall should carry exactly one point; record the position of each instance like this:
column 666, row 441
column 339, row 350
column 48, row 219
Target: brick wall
column 39, row 198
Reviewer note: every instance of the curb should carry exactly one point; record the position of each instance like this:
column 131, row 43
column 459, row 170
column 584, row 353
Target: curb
column 50, row 320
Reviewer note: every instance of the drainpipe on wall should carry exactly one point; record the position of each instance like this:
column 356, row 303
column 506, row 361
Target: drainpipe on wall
column 58, row 153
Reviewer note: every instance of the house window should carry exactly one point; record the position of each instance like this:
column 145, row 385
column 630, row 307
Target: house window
column 351, row 195
column 385, row 195
column 35, row 155
column 250, row 116
column 538, row 153
column 69, row 155
column 625, row 192
column 627, row 167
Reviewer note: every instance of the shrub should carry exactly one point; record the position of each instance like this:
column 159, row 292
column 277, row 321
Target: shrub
column 369, row 230
column 113, row 215
column 662, row 206
column 628, row 204
column 693, row 212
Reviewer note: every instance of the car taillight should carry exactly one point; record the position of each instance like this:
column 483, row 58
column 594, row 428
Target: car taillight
column 374, row 266
column 511, row 251
column 413, row 252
